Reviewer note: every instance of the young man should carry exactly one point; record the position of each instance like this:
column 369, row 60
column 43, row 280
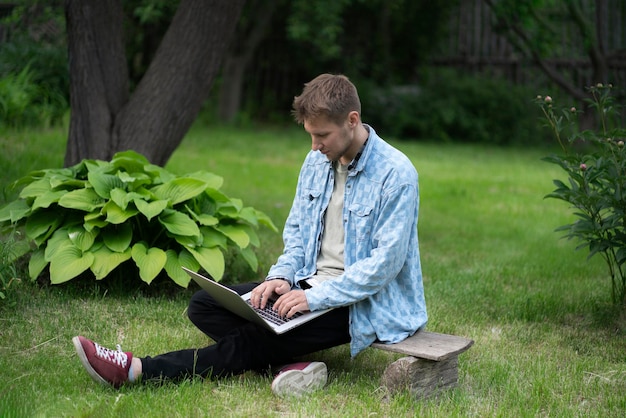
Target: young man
column 350, row 244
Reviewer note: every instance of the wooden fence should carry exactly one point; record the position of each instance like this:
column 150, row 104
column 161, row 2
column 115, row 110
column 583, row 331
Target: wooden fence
column 474, row 46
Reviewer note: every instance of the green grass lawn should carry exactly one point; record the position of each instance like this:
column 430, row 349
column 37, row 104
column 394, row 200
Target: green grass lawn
column 548, row 342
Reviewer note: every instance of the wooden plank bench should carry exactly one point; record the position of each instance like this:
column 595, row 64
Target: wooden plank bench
column 431, row 364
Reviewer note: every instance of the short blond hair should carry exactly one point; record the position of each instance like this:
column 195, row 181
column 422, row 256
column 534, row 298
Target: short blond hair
column 333, row 96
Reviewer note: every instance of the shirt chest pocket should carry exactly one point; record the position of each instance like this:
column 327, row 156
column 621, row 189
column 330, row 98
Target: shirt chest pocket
column 360, row 222
column 311, row 204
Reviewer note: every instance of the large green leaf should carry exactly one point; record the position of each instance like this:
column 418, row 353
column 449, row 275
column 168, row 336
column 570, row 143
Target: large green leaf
column 250, row 257
column 134, row 180
column 66, row 181
column 41, row 224
column 211, row 237
column 236, row 233
column 179, row 224
column 186, row 259
column 58, row 242
column 203, row 218
column 81, row 238
column 131, row 161
column 103, row 183
column 36, row 264
column 211, row 180
column 189, row 242
column 118, row 237
column 159, row 174
column 105, row 261
column 69, row 263
column 36, row 188
column 174, row 269
column 254, row 217
column 82, row 199
column 150, row 261
column 152, row 209
column 48, row 198
column 265, row 220
column 94, row 220
column 14, row 211
column 211, row 259
column 179, row 190
column 254, row 238
column 120, row 197
column 117, row 215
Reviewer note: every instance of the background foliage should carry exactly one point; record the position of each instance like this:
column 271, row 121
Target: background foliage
column 34, row 80
column 453, row 107
column 401, row 93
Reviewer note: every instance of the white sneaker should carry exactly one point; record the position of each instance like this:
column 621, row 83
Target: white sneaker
column 299, row 378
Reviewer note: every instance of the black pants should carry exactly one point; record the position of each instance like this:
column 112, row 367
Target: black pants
column 241, row 345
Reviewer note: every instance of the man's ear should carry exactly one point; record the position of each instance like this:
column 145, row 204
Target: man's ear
column 353, row 118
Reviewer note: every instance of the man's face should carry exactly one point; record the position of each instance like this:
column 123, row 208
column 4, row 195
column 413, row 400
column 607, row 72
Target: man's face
column 336, row 142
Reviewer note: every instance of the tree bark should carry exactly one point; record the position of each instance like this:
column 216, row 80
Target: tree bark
column 154, row 120
column 99, row 76
column 246, row 41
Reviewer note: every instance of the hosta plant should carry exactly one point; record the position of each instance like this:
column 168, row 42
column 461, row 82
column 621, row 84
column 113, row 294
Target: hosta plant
column 97, row 215
column 594, row 161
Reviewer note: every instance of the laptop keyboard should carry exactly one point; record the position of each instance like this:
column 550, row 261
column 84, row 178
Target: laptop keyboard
column 271, row 315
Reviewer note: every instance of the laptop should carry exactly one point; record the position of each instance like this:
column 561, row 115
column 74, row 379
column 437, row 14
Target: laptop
column 240, row 305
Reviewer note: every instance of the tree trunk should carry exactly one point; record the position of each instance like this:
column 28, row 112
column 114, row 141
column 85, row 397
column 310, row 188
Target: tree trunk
column 154, row 120
column 247, row 39
column 99, row 77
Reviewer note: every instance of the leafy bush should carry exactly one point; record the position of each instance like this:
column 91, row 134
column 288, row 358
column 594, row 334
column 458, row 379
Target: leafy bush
column 455, row 108
column 34, row 75
column 23, row 102
column 596, row 180
column 97, row 215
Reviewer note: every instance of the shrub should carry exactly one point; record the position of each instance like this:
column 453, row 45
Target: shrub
column 23, row 102
column 33, row 65
column 596, row 180
column 453, row 107
column 97, row 215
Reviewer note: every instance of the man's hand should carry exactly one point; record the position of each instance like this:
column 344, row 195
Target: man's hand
column 263, row 292
column 291, row 303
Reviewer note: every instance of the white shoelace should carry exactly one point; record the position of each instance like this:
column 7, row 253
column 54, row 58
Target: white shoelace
column 114, row 356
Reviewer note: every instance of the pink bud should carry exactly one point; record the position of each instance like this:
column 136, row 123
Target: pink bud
column 583, row 166
column 548, row 99
column 573, row 110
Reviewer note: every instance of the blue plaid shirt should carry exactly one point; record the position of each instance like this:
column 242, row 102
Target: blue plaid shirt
column 382, row 279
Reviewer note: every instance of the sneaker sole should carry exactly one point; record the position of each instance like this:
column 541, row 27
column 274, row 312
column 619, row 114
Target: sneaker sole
column 83, row 359
column 298, row 382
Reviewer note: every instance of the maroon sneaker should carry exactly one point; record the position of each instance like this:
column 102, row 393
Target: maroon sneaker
column 299, row 378
column 106, row 366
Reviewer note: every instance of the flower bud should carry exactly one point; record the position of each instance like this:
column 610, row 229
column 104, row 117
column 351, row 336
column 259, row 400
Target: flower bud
column 620, row 143
column 583, row 167
column 548, row 99
column 599, row 85
column 572, row 109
